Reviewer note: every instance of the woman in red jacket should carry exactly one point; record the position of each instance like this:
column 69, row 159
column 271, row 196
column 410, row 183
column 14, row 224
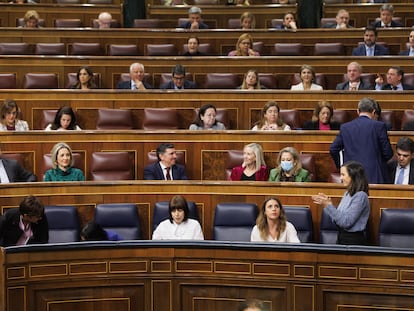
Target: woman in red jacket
column 253, row 166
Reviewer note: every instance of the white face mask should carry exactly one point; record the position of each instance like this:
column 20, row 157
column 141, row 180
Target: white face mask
column 286, row 165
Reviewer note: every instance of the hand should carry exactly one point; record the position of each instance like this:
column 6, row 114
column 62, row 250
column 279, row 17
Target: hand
column 292, row 25
column 194, row 25
column 342, row 26
column 379, row 79
column 322, row 199
column 252, row 52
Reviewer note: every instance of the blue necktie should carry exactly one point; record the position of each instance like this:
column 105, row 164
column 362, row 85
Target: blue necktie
column 400, row 177
column 370, row 52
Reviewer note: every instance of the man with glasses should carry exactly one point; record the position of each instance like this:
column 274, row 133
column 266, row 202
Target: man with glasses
column 178, row 81
column 402, row 169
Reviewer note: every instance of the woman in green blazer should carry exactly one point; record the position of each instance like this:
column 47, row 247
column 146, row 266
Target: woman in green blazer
column 289, row 167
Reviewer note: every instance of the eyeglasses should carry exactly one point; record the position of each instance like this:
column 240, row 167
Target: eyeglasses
column 245, row 42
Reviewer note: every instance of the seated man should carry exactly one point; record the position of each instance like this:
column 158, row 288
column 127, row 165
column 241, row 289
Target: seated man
column 353, row 75
column 165, row 168
column 386, row 15
column 194, row 16
column 137, row 74
column 104, row 20
column 370, row 48
column 178, row 81
column 24, row 225
column 410, row 50
column 402, row 169
column 394, row 78
column 11, row 171
column 342, row 21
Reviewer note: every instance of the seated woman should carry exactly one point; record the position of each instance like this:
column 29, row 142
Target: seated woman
column 253, row 166
column 206, row 119
column 271, row 224
column 175, row 2
column 10, row 117
column 307, row 76
column 94, row 232
column 192, row 47
column 178, row 226
column 244, row 47
column 31, row 19
column 322, row 118
column 289, row 167
column 289, row 22
column 62, row 162
column 247, row 21
column 65, row 120
column 251, row 81
column 270, row 119
column 84, row 79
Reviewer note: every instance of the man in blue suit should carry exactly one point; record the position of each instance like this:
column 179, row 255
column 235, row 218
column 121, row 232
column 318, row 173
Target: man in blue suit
column 178, row 81
column 194, row 19
column 365, row 140
column 386, row 15
column 410, row 50
column 369, row 48
column 165, row 168
column 137, row 74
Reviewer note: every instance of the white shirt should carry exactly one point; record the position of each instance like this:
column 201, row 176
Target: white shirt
column 4, row 179
column 286, row 128
column 164, row 171
column 288, row 236
column 187, row 230
column 299, row 87
column 49, row 128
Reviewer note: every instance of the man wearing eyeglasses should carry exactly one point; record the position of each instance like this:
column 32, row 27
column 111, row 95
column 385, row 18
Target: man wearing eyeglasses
column 402, row 169
column 178, row 81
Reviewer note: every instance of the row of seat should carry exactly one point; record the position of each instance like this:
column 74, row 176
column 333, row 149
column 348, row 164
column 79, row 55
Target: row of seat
column 232, row 222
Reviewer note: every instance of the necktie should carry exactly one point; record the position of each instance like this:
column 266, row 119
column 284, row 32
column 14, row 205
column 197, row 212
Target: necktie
column 167, row 175
column 400, row 177
column 370, row 52
column 394, row 88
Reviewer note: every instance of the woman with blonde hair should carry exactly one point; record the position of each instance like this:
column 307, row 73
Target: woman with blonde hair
column 272, row 225
column 307, row 76
column 270, row 119
column 251, row 80
column 289, row 167
column 247, row 21
column 244, row 47
column 253, row 166
column 31, row 19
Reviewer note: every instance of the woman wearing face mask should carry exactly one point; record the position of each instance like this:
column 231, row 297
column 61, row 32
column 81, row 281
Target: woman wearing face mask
column 289, row 167
column 178, row 226
column 253, row 166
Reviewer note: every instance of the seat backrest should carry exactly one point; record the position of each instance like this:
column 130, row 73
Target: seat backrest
column 72, row 79
column 326, row 49
column 396, row 228
column 409, row 79
column 114, row 119
column 40, row 81
column 288, row 49
column 68, row 23
column 268, row 80
column 123, row 50
column 63, row 224
column 68, row 1
column 116, row 165
column 160, row 118
column 48, row 116
column 13, row 156
column 8, row 81
column 328, row 233
column 233, row 158
column 276, row 22
column 161, row 212
column 388, row 117
column 408, row 117
column 301, row 218
column 204, row 48
column 18, row 48
column 340, row 116
column 221, row 81
column 234, row 221
column 233, row 23
column 20, row 22
column 308, row 163
column 50, row 49
column 327, row 20
column 147, row 23
column 78, row 158
column 123, row 218
column 114, row 22
column 204, row 2
column 290, row 117
column 85, row 48
column 258, row 46
column 168, row 49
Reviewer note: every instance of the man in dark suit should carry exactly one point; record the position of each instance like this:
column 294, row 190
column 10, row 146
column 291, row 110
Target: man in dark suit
column 195, row 22
column 402, row 169
column 137, row 74
column 410, row 50
column 354, row 82
column 178, row 81
column 364, row 140
column 369, row 48
column 386, row 15
column 165, row 168
column 11, row 171
column 342, row 20
column 394, row 78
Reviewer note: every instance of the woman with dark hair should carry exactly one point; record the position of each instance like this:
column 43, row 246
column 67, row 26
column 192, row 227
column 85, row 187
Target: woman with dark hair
column 94, row 232
column 270, row 119
column 84, row 79
column 65, row 119
column 289, row 22
column 206, row 119
column 322, row 118
column 351, row 215
column 178, row 226
column 9, row 114
column 271, row 224
column 251, row 81
column 193, row 44
column 307, row 76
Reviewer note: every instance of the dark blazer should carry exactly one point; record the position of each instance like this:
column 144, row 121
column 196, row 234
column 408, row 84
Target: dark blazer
column 261, row 175
column 154, row 172
column 379, row 50
column 333, row 25
column 16, row 173
column 362, row 86
column 366, row 141
column 127, row 85
column 10, row 231
column 392, row 168
column 198, row 53
column 187, row 25
column 405, row 52
column 387, row 87
column 187, row 85
column 314, row 125
column 393, row 24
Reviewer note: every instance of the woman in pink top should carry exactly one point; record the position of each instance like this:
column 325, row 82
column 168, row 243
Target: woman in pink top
column 244, row 47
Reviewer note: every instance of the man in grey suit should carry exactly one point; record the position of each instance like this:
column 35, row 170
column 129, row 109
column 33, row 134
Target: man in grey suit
column 354, row 82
